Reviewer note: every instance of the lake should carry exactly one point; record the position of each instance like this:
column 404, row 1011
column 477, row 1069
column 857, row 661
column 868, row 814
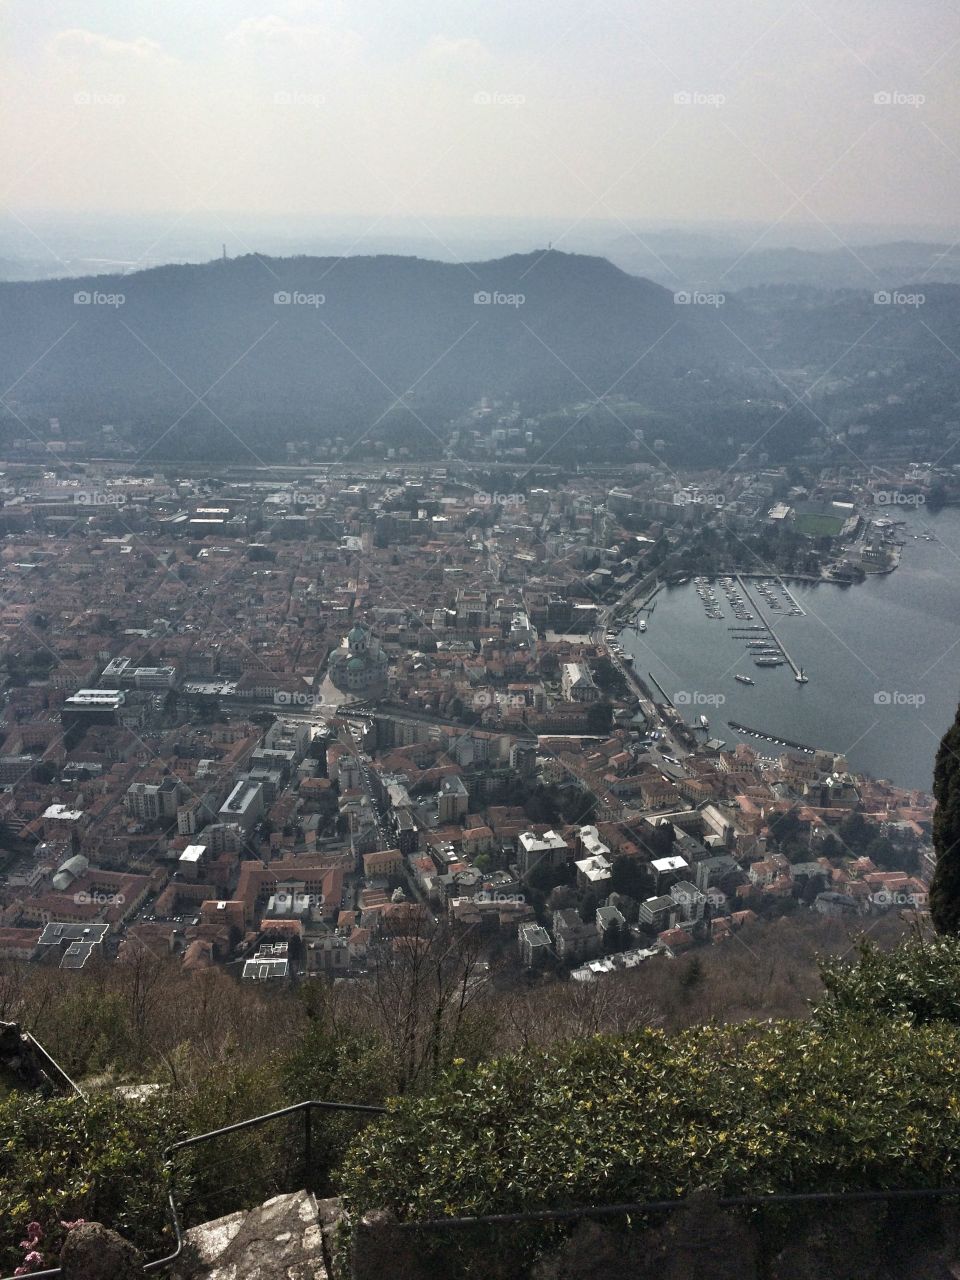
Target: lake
column 882, row 656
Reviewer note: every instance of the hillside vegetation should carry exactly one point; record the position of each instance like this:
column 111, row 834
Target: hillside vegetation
column 544, row 1097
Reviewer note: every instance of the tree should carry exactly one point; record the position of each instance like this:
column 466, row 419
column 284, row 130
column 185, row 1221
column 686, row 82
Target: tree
column 945, row 887
column 599, row 717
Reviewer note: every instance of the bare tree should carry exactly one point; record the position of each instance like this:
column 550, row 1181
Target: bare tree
column 423, row 991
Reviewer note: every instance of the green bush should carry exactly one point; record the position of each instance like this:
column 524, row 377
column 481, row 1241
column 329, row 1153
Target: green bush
column 741, row 1109
column 64, row 1159
column 919, row 981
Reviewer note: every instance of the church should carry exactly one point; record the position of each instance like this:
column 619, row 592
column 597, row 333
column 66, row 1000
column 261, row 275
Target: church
column 359, row 665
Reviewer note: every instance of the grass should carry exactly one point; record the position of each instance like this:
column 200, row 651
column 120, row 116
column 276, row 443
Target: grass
column 818, row 526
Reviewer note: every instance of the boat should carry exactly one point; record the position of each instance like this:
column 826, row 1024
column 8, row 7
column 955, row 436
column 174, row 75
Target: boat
column 801, row 678
column 744, row 680
column 641, row 625
column 769, row 662
column 704, row 722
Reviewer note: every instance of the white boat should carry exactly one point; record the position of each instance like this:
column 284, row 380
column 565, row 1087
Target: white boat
column 641, row 625
column 801, row 678
column 744, row 680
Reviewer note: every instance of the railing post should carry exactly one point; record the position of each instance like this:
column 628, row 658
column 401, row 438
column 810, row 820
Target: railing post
column 308, row 1145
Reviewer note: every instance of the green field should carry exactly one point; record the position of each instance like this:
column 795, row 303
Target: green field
column 818, row 526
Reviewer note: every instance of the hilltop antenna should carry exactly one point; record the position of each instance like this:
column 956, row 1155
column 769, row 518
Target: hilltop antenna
column 224, row 252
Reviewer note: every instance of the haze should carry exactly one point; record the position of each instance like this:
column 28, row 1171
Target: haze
column 766, row 113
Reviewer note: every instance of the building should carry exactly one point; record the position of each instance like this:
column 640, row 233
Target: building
column 359, row 665
column 192, row 861
column 120, row 673
column 658, row 912
column 593, row 873
column 668, row 871
column 382, row 864
column 691, row 903
column 153, row 802
column 243, row 805
column 577, row 684
column 548, row 850
column 534, row 945
column 453, row 800
column 92, row 706
column 270, row 964
column 574, row 939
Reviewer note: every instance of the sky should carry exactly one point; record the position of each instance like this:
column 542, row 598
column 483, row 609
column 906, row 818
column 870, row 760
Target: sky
column 694, row 110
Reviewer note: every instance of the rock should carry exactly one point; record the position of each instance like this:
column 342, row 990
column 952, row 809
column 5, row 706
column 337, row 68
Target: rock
column 94, row 1252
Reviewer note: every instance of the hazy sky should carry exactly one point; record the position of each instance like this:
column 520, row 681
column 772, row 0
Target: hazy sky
column 558, row 108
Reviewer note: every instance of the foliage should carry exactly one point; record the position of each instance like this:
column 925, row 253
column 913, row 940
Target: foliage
column 918, row 982
column 945, row 888
column 64, row 1159
column 743, row 1109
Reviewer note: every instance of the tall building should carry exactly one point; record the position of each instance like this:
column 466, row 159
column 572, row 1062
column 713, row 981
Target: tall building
column 359, row 665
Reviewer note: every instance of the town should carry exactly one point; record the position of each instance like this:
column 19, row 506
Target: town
column 280, row 720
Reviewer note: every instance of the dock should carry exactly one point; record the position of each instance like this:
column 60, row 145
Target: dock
column 758, row 613
column 769, row 737
column 659, row 687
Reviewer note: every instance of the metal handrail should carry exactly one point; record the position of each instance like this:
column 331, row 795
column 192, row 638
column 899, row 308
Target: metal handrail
column 495, row 1219
column 169, row 1155
column 666, row 1206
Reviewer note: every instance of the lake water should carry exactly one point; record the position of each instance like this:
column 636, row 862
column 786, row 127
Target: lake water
column 882, row 656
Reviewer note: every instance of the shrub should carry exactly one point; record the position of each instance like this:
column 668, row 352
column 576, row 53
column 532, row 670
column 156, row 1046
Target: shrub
column 919, row 981
column 64, row 1159
column 748, row 1109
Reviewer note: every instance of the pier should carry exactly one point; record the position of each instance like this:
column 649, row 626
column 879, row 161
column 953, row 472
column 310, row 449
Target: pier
column 663, row 693
column 769, row 737
column 758, row 613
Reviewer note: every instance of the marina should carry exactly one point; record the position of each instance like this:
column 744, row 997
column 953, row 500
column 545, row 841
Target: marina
column 849, row 639
column 769, row 737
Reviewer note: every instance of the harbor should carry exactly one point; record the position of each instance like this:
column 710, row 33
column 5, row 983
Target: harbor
column 851, row 639
column 776, row 644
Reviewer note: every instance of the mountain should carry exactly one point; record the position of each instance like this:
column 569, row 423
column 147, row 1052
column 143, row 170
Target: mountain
column 229, row 360
column 328, row 346
column 696, row 263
